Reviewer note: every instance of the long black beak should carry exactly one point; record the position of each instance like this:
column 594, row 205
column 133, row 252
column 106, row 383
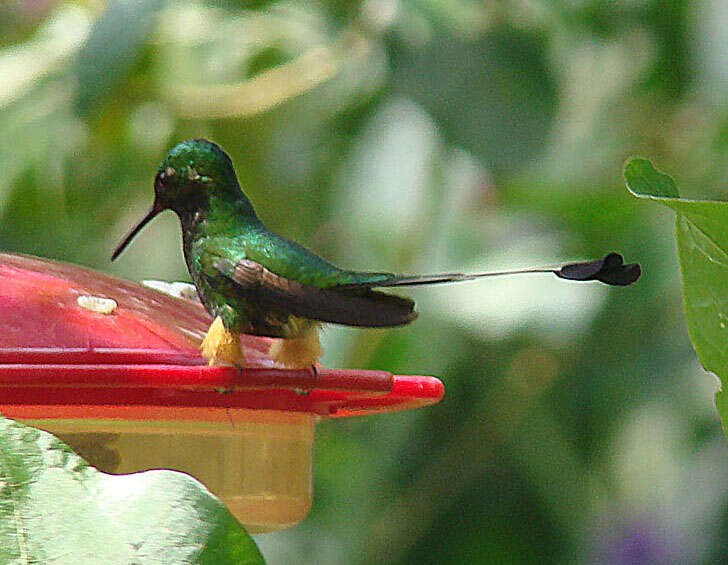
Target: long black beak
column 153, row 211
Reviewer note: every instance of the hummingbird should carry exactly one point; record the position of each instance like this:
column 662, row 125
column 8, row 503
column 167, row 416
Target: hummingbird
column 252, row 280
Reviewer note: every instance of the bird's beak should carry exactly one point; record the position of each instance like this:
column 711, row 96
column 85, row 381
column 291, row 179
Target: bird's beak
column 153, row 211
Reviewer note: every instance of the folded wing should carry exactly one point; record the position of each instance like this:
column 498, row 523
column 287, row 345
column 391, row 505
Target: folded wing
column 355, row 306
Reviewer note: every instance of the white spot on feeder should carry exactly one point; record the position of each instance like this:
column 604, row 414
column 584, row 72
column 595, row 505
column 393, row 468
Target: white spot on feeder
column 96, row 304
column 176, row 289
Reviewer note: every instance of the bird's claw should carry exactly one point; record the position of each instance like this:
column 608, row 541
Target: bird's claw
column 229, row 390
column 306, row 392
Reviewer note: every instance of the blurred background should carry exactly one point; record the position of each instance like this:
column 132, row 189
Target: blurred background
column 424, row 136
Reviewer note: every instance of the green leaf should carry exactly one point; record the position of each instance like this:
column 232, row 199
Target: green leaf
column 56, row 508
column 721, row 403
column 702, row 243
column 643, row 179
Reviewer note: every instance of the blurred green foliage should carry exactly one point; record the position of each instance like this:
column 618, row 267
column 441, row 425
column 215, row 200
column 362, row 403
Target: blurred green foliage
column 424, row 136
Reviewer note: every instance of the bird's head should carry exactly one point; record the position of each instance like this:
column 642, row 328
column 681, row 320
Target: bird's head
column 195, row 174
column 192, row 173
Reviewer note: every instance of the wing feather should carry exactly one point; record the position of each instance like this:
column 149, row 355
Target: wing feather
column 349, row 306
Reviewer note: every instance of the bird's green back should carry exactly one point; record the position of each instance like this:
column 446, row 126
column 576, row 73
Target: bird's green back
column 283, row 257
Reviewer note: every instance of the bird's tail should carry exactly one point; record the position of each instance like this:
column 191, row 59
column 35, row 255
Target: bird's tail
column 610, row 270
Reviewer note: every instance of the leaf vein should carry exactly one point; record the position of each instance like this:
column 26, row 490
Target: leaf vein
column 18, row 518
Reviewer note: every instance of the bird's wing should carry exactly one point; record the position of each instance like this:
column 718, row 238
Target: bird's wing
column 292, row 261
column 352, row 307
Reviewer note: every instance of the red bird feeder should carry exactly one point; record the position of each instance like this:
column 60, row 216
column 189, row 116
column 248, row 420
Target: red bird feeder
column 113, row 368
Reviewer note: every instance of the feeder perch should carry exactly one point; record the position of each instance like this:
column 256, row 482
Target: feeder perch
column 113, row 369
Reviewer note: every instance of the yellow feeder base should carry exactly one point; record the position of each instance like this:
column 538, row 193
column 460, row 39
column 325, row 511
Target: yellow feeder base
column 260, row 466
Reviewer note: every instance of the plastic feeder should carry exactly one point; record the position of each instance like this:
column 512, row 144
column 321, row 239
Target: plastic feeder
column 113, row 369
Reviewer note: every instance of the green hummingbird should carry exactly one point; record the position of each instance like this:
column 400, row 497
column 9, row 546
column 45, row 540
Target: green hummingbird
column 254, row 281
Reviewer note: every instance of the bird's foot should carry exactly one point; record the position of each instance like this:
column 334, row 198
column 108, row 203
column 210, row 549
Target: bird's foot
column 221, row 346
column 297, row 353
column 307, row 391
